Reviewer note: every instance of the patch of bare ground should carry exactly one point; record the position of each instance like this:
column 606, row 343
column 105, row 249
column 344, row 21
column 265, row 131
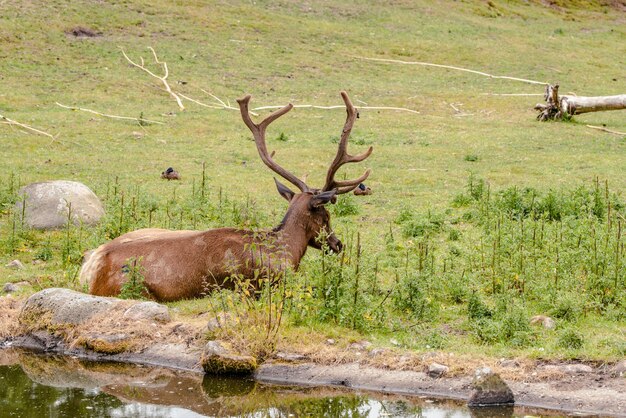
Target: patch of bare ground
column 82, row 32
column 9, row 311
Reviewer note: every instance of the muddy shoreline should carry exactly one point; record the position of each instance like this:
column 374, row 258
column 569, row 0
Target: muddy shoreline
column 580, row 395
column 62, row 322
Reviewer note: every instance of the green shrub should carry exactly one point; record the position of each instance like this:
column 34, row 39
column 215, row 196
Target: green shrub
column 569, row 338
column 134, row 286
column 345, row 206
column 476, row 308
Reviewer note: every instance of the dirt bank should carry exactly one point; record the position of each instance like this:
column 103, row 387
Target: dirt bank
column 591, row 389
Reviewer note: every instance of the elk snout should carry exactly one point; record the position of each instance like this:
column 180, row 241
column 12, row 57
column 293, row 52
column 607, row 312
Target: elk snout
column 334, row 244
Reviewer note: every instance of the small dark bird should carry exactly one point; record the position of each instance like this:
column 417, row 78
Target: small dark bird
column 362, row 190
column 170, row 174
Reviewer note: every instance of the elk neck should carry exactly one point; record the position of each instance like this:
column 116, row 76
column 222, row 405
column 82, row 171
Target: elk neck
column 294, row 233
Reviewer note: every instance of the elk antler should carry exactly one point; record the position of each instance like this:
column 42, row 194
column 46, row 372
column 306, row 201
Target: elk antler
column 343, row 157
column 258, row 131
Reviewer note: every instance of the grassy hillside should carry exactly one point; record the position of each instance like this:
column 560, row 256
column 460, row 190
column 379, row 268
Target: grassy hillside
column 425, row 166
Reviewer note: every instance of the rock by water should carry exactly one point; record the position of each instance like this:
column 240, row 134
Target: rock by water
column 488, row 389
column 218, row 357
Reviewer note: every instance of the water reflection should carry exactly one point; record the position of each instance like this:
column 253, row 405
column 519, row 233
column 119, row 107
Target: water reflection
column 54, row 386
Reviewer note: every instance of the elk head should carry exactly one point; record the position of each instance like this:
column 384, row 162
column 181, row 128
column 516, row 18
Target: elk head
column 307, row 212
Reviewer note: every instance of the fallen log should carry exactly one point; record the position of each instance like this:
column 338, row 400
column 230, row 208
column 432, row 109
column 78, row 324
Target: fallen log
column 560, row 107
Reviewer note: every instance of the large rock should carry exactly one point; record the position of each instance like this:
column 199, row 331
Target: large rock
column 488, row 389
column 59, row 307
column 55, row 306
column 47, row 204
column 219, row 358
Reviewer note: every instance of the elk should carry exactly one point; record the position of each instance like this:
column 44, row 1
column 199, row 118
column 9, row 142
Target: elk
column 184, row 264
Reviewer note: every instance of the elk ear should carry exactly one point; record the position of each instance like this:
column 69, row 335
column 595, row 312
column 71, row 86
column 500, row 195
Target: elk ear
column 323, row 198
column 284, row 191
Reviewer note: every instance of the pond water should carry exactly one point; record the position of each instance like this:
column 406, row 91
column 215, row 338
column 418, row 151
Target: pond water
column 53, row 386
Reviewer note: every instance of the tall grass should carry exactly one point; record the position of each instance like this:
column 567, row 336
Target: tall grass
column 491, row 259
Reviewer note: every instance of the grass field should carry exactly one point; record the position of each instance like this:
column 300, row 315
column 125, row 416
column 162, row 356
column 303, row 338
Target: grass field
column 424, row 168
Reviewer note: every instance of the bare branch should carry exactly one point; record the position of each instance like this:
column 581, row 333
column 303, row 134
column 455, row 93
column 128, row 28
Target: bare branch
column 306, row 106
column 199, row 102
column 27, row 127
column 512, row 94
column 450, row 67
column 110, row 116
column 600, row 128
column 162, row 78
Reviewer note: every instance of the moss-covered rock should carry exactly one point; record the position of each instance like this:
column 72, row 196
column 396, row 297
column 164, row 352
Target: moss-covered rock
column 106, row 343
column 218, row 357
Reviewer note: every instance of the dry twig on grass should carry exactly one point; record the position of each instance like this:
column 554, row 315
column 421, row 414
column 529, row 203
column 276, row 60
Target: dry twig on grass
column 307, row 106
column 512, row 94
column 603, row 129
column 450, row 67
column 139, row 120
column 162, row 78
column 12, row 122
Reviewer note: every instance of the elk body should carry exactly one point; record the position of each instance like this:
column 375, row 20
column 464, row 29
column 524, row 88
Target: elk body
column 186, row 264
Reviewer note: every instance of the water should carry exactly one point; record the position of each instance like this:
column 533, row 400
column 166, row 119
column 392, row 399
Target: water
column 53, row 386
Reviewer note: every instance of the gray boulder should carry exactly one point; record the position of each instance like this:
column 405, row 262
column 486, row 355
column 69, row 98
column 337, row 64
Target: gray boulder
column 15, row 264
column 10, row 288
column 619, row 369
column 48, row 203
column 57, row 306
column 148, row 311
column 488, row 389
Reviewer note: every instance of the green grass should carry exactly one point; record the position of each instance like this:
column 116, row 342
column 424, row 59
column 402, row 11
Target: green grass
column 305, row 53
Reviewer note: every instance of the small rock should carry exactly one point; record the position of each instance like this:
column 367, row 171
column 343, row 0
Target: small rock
column 489, row 389
column 619, row 369
column 576, row 369
column 221, row 320
column 376, row 352
column 330, row 341
column 148, row 311
column 218, row 357
column 10, row 288
column 437, row 370
column 15, row 264
column 509, row 363
column 546, row 321
column 292, row 357
column 405, row 359
column 360, row 346
column 107, row 343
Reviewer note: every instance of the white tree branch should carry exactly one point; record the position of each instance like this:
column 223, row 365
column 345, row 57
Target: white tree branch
column 110, row 116
column 27, row 127
column 307, row 106
column 600, row 128
column 162, row 78
column 450, row 67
